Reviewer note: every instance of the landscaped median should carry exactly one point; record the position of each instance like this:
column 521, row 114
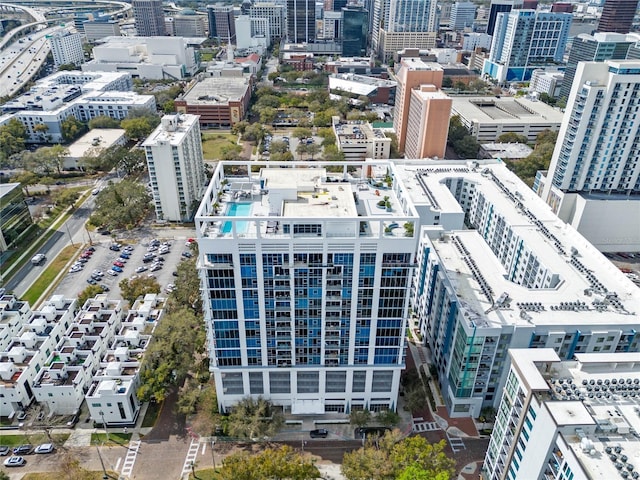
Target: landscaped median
column 46, row 279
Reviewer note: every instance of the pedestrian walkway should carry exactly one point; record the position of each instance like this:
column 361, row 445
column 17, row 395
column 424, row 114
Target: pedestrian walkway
column 130, row 459
column 456, row 443
column 190, row 459
column 80, row 437
column 419, row 425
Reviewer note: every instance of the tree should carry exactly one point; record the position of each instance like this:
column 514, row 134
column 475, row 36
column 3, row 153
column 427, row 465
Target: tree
column 301, row 132
column 187, row 291
column 254, row 132
column 332, row 154
column 388, row 418
column 90, row 292
column 230, row 151
column 54, row 156
column 412, row 458
column 239, row 128
column 467, row 147
column 268, row 115
column 103, row 121
column 415, row 398
column 457, row 131
column 121, row 205
column 27, row 179
column 131, row 160
column 313, row 150
column 282, row 157
column 271, row 464
column 12, row 137
column 359, row 418
column 137, row 128
column 511, row 137
column 447, row 82
column 72, row 128
column 65, row 197
column 67, row 67
column 302, row 149
column 132, row 288
column 169, row 106
column 278, row 146
column 251, row 418
column 177, row 348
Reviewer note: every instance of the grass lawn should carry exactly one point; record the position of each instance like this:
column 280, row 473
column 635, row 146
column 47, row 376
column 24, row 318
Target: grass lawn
column 213, row 142
column 206, row 56
column 115, row 438
column 46, row 278
column 36, row 439
column 153, row 410
column 204, row 474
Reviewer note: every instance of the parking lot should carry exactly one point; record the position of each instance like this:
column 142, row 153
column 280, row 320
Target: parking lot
column 103, row 258
column 293, row 145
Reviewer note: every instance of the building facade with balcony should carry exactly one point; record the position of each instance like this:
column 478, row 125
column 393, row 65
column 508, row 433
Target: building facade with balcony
column 305, row 279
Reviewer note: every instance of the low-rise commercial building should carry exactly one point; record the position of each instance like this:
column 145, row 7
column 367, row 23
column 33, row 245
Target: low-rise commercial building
column 546, row 81
column 157, row 58
column 92, row 144
column 219, row 101
column 377, row 90
column 359, row 140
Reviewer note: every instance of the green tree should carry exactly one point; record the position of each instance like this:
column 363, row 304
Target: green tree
column 278, row 146
column 268, row 100
column 54, row 156
column 103, row 121
column 90, row 292
column 71, row 128
column 169, row 106
column 131, row 160
column 12, row 137
column 302, row 149
column 251, row 418
column 26, row 179
column 457, row 131
column 301, row 132
column 187, row 291
column 415, row 398
column 447, row 82
column 359, row 418
column 67, row 67
column 282, row 157
column 230, row 151
column 332, row 154
column 388, row 418
column 392, row 458
column 132, row 288
column 254, row 132
column 239, row 128
column 177, row 348
column 271, row 464
column 121, row 205
column 137, row 128
column 268, row 115
column 511, row 137
column 313, row 150
column 65, row 197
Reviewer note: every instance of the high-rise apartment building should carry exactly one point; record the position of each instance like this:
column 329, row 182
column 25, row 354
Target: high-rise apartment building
column 596, row 160
column 462, row 15
column 413, row 72
column 355, row 25
column 176, row 167
column 426, row 132
column 66, row 48
column 593, row 48
column 149, row 18
column 566, row 419
column 301, row 21
column 617, row 16
column 305, row 282
column 500, row 6
column 524, row 40
column 405, row 18
column 275, row 15
column 222, row 23
column 496, row 270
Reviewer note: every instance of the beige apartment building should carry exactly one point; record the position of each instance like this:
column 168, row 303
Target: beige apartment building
column 428, row 125
column 412, row 73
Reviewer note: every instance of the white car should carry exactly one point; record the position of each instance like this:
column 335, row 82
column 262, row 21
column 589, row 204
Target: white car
column 45, row 448
column 15, row 462
column 113, row 273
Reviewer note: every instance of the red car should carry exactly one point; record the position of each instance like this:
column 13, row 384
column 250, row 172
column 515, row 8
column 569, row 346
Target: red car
column 118, row 264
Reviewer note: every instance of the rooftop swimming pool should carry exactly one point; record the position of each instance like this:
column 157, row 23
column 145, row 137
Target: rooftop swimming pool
column 237, row 210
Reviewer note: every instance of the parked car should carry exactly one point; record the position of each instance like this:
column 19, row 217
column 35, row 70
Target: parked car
column 187, row 254
column 155, row 267
column 116, row 269
column 91, row 281
column 319, row 433
column 112, row 272
column 15, row 462
column 104, row 287
column 45, row 448
column 126, row 256
column 149, row 259
column 117, row 263
column 25, row 449
column 4, row 450
column 115, row 248
column 128, row 248
column 141, row 269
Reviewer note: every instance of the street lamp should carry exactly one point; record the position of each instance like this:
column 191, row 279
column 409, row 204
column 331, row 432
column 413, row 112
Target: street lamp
column 213, row 456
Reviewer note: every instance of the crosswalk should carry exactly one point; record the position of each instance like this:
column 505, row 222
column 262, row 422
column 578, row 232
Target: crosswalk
column 190, row 459
column 419, row 425
column 130, row 459
column 456, row 443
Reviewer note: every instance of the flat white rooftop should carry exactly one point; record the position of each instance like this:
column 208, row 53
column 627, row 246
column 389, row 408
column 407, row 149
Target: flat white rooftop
column 172, row 129
column 591, row 291
column 506, row 110
column 217, row 91
column 99, row 138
